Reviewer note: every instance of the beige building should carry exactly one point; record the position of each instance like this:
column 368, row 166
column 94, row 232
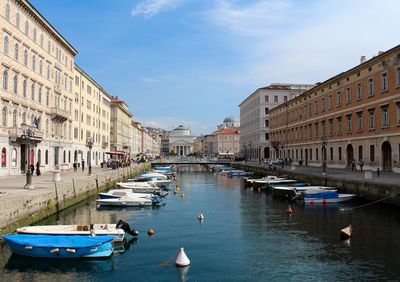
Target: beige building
column 354, row 115
column 181, row 141
column 227, row 143
column 120, row 130
column 136, row 145
column 37, row 71
column 91, row 120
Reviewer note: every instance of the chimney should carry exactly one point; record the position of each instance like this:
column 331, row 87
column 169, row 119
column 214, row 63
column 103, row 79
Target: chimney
column 362, row 59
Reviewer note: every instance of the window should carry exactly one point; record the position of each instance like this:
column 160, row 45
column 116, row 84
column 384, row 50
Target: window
column 339, row 125
column 34, row 34
column 41, row 40
column 384, row 82
column 24, row 85
column 26, row 28
column 322, row 104
column 323, row 128
column 340, row 153
column 48, row 71
column 371, row 118
column 398, row 113
column 4, row 116
column 348, row 122
column 47, row 125
column 370, row 87
column 14, row 119
column 5, row 46
column 16, row 51
column 339, row 98
column 40, row 67
column 398, row 76
column 3, row 157
column 33, row 62
column 40, row 94
column 15, row 84
column 372, row 153
column 266, row 123
column 47, row 97
column 385, row 116
column 14, row 157
column 331, row 153
column 358, row 91
column 359, row 121
column 33, row 91
column 330, row 102
column 316, row 154
column 7, row 12
column 25, row 57
column 17, row 20
column 276, row 98
column 348, row 95
column 5, row 80
column 46, row 157
column 285, row 98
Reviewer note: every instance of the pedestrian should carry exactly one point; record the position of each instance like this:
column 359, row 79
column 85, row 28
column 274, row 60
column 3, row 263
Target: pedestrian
column 83, row 165
column 361, row 164
column 353, row 165
column 32, row 168
column 38, row 169
column 75, row 165
column 378, row 172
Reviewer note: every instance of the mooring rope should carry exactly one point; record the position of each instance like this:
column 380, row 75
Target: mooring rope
column 372, row 203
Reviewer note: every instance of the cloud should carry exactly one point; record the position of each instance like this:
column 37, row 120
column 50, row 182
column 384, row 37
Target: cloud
column 147, row 79
column 150, row 8
column 169, row 123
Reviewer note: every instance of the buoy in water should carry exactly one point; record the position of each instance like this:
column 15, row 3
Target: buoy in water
column 177, row 188
column 181, row 259
column 345, row 233
column 200, row 216
column 150, row 232
column 175, row 191
column 289, row 210
column 182, row 194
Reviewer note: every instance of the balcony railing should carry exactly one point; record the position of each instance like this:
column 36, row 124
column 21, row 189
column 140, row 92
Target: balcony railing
column 59, row 114
column 15, row 135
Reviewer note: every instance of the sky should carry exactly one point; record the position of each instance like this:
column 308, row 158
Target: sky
column 192, row 62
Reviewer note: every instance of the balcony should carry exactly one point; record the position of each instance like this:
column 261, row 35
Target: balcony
column 57, row 88
column 16, row 135
column 105, row 144
column 59, row 115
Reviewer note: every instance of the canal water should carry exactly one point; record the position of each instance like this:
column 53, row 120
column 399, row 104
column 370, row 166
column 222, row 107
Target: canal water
column 246, row 236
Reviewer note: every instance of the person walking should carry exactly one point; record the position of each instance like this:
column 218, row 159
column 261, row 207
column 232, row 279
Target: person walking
column 75, row 165
column 83, row 165
column 361, row 164
column 38, row 169
column 353, row 165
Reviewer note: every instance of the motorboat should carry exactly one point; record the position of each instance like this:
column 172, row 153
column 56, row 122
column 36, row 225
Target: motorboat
column 118, row 231
column 127, row 198
column 118, row 193
column 320, row 196
column 60, row 246
column 267, row 185
column 239, row 172
column 139, row 186
column 283, row 192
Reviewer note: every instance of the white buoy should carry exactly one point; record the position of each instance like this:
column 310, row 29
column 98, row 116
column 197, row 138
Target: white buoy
column 200, row 216
column 182, row 259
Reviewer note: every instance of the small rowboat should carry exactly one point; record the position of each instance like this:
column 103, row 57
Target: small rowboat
column 60, row 246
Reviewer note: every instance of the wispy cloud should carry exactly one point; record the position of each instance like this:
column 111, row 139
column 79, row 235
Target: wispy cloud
column 147, row 79
column 150, row 8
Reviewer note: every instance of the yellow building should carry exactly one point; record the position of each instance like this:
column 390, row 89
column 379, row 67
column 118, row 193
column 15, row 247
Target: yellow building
column 120, row 130
column 91, row 120
column 37, row 65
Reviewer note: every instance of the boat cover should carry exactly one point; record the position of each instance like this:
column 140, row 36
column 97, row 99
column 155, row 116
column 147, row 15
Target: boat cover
column 53, row 241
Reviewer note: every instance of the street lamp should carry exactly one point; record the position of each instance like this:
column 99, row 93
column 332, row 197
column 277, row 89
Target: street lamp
column 89, row 143
column 323, row 142
column 28, row 135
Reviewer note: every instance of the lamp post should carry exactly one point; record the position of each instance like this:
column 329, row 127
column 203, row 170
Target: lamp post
column 28, row 135
column 323, row 142
column 89, row 144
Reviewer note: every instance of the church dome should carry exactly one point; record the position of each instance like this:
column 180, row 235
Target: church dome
column 229, row 119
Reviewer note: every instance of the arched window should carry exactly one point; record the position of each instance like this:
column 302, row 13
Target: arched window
column 15, row 118
column 23, row 117
column 40, row 94
column 4, row 157
column 41, row 40
column 26, row 57
column 34, row 34
column 48, row 46
column 26, row 28
column 47, row 97
column 32, row 119
column 40, row 67
column 69, row 156
column 5, row 46
column 47, row 125
column 16, row 51
column 24, row 86
column 46, row 157
column 33, row 62
column 17, row 20
column 14, row 157
column 64, row 158
column 5, row 80
column 39, row 156
column 7, row 12
column 4, row 116
column 33, row 91
column 48, row 71
column 15, row 84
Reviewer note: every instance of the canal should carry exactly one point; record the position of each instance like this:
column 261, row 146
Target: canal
column 246, row 236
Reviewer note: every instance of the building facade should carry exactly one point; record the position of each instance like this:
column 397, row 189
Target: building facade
column 120, row 130
column 227, row 143
column 181, row 141
column 354, row 115
column 37, row 70
column 254, row 117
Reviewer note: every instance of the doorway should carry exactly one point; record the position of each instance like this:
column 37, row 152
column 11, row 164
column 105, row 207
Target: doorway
column 386, row 156
column 350, row 155
column 23, row 158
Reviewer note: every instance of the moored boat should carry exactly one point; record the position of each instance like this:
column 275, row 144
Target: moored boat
column 60, row 246
column 127, row 198
column 320, row 196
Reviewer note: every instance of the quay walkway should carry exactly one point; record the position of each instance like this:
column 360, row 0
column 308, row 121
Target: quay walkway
column 19, row 206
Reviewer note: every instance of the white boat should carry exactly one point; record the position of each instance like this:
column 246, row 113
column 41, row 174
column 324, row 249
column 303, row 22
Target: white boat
column 313, row 188
column 117, row 230
column 118, row 193
column 138, row 189
column 157, row 175
column 269, row 177
column 127, row 198
column 341, row 198
column 321, row 196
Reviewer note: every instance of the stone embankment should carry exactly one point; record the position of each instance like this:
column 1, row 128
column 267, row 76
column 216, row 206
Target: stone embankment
column 20, row 207
column 369, row 185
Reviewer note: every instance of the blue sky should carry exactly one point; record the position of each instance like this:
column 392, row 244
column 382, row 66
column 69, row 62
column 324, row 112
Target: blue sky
column 192, row 62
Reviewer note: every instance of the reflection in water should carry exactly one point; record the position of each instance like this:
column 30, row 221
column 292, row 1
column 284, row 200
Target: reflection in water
column 183, row 273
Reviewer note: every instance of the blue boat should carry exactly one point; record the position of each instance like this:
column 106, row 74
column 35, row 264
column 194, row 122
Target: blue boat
column 60, row 246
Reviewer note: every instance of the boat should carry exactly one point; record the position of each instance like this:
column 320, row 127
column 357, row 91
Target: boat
column 118, row 193
column 138, row 188
column 268, row 184
column 239, row 173
column 60, row 246
column 283, row 192
column 317, row 196
column 118, row 231
column 127, row 198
